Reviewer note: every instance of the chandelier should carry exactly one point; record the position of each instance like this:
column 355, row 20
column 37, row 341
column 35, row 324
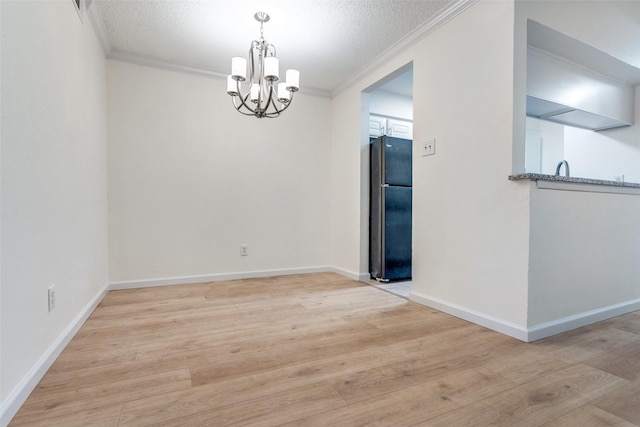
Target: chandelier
column 259, row 96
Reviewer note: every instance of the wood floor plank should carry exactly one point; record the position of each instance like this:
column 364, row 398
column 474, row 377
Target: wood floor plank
column 60, row 381
column 69, row 360
column 588, row 416
column 582, row 344
column 321, row 349
column 273, row 410
column 404, row 407
column 366, row 384
column 536, row 402
column 531, row 363
column 341, row 340
column 263, row 383
column 104, row 416
column 623, row 402
column 410, row 405
column 104, row 392
column 629, row 322
column 622, row 361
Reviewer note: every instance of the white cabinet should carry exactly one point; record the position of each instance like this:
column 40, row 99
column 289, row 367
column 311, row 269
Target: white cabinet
column 377, row 126
column 400, row 128
column 380, row 125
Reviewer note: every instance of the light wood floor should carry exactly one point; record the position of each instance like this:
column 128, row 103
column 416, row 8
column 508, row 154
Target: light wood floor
column 322, row 350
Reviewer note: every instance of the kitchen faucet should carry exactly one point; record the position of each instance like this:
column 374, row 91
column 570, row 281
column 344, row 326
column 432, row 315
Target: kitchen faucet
column 566, row 168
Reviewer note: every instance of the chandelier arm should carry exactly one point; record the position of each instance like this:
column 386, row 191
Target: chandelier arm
column 243, row 100
column 287, row 105
column 272, row 114
column 239, row 107
column 269, row 48
column 275, row 107
column 276, row 111
column 270, row 100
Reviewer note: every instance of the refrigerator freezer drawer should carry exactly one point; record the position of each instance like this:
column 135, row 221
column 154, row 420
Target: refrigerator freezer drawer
column 390, row 244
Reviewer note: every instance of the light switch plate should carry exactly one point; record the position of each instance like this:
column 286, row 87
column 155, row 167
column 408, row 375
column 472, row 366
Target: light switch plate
column 429, row 147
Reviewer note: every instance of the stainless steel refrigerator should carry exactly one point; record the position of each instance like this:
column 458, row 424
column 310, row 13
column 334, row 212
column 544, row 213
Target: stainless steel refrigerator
column 390, row 209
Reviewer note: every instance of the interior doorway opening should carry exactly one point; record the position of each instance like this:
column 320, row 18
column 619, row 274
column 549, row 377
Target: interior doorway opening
column 390, row 136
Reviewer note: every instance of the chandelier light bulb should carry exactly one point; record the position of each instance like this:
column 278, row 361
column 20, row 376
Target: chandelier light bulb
column 232, row 86
column 239, row 68
column 255, row 92
column 259, row 94
column 293, row 80
column 271, row 68
column 283, row 94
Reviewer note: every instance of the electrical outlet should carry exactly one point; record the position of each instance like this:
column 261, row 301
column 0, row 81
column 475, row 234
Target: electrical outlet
column 244, row 249
column 429, row 148
column 51, row 291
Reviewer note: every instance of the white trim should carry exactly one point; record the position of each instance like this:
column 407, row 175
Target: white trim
column 21, row 392
column 166, row 281
column 361, row 277
column 412, row 38
column 533, row 333
column 591, row 188
column 131, row 58
column 565, row 324
column 97, row 22
column 472, row 316
column 80, row 7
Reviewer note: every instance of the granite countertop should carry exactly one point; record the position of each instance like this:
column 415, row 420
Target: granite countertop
column 541, row 177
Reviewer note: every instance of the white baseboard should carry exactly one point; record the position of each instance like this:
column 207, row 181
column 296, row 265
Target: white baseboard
column 361, row 277
column 472, row 316
column 19, row 395
column 533, row 333
column 147, row 283
column 565, row 324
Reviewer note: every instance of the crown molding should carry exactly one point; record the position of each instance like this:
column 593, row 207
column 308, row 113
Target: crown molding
column 411, row 39
column 97, row 22
column 132, row 58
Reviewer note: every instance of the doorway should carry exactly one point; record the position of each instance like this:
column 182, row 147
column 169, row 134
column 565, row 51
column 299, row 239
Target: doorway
column 390, row 118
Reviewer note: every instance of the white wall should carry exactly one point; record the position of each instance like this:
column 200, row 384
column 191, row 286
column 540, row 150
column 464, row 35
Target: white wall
column 583, row 245
column 551, row 149
column 609, row 26
column 349, row 200
column 570, row 84
column 190, row 179
column 391, row 105
column 54, row 205
column 470, row 223
column 604, row 155
column 584, row 253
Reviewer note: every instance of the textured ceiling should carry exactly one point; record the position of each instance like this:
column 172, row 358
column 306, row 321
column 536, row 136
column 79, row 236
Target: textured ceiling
column 329, row 41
